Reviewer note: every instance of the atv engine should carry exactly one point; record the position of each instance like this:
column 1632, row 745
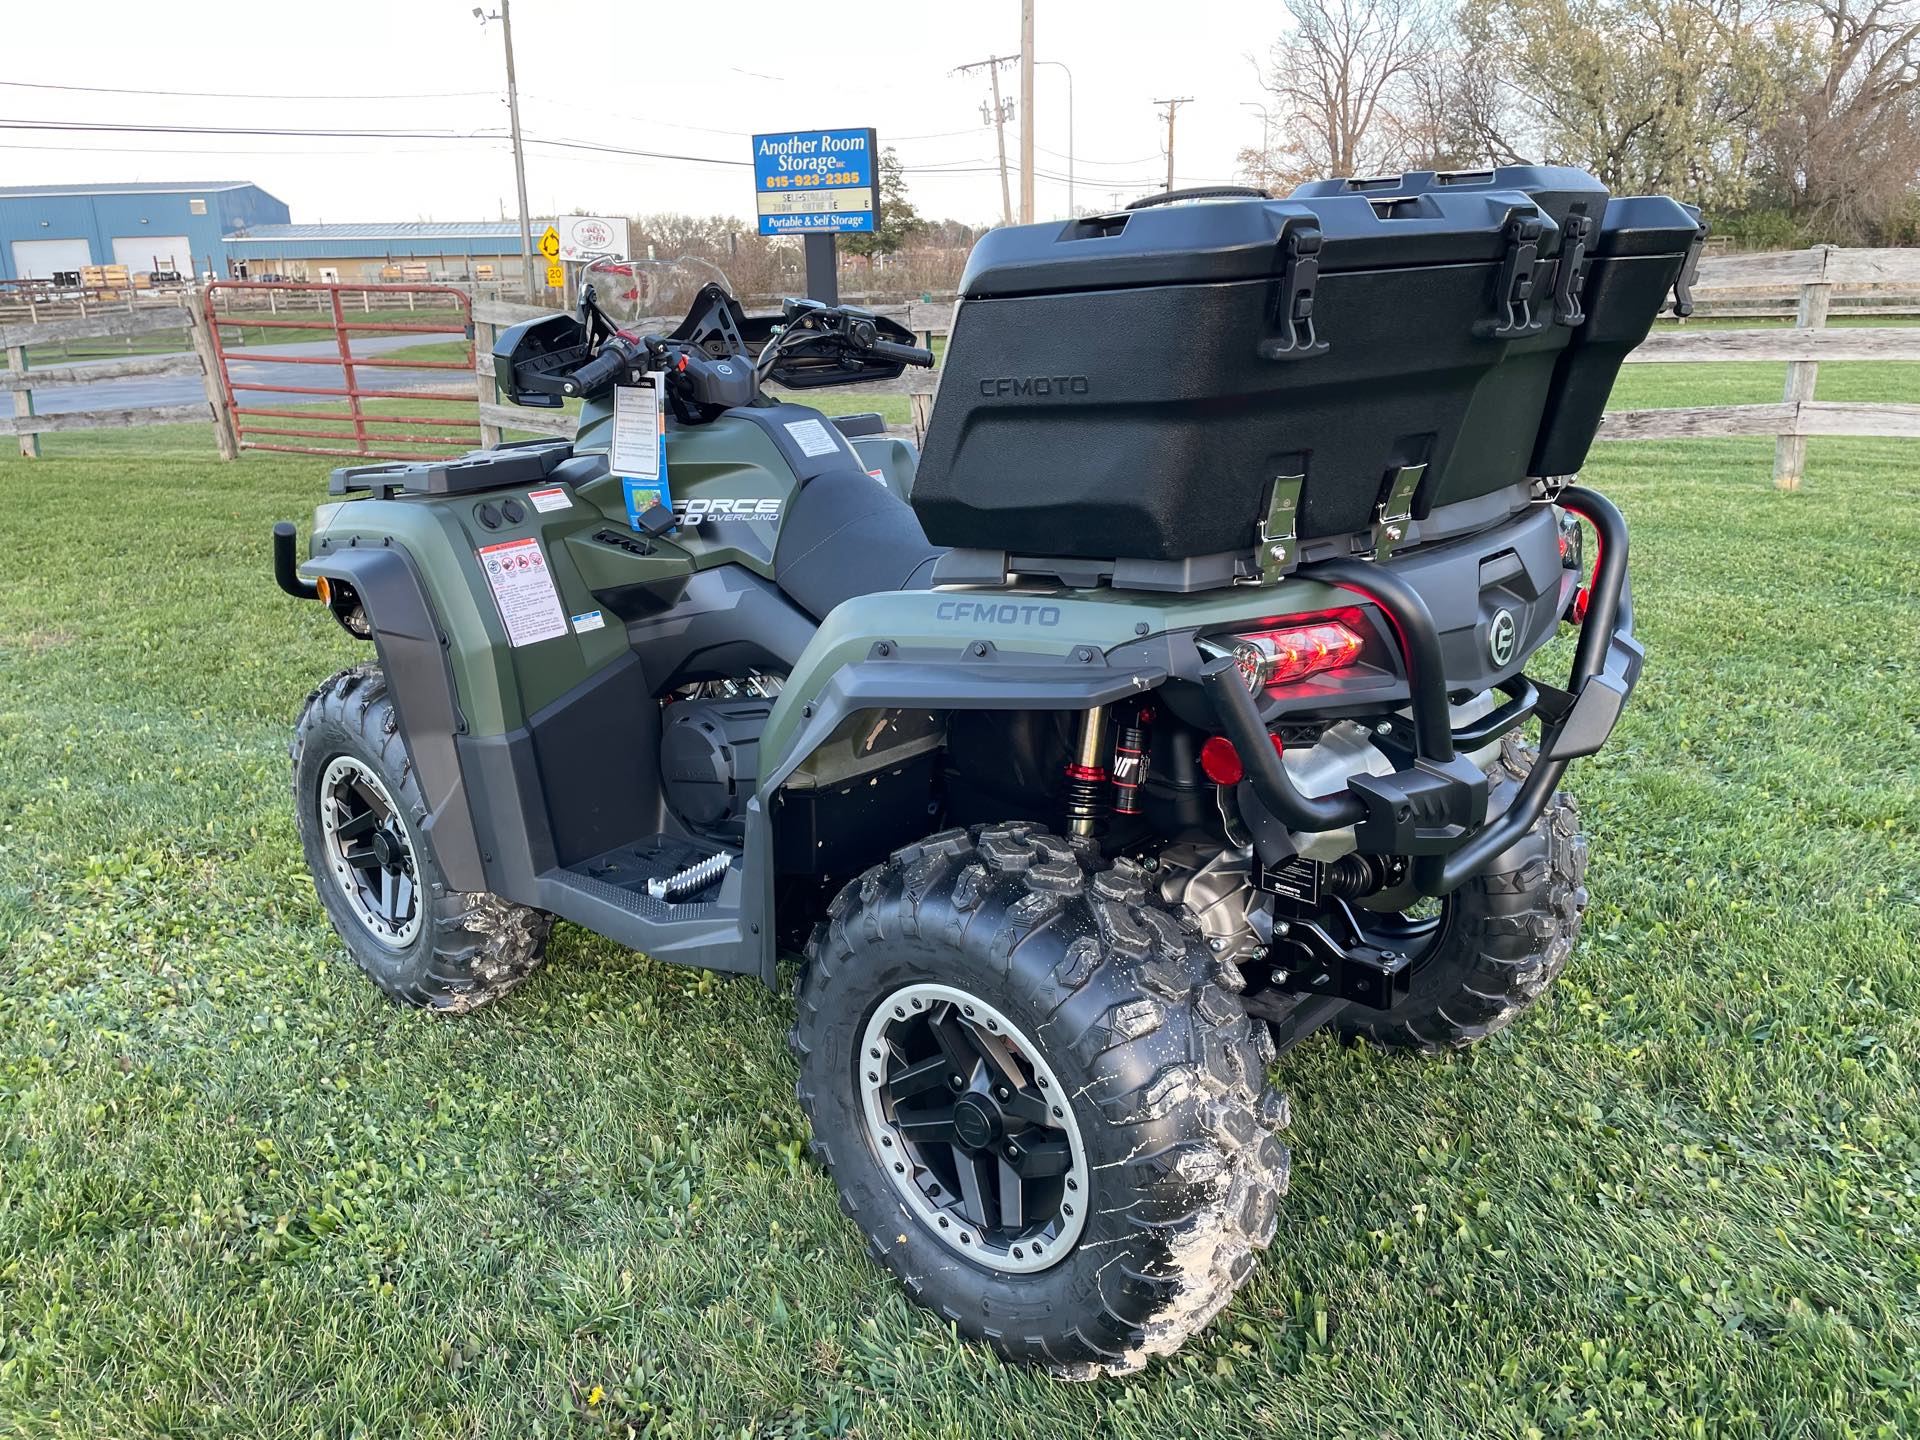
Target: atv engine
column 710, row 761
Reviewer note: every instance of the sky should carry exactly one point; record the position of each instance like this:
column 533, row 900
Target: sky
column 690, row 80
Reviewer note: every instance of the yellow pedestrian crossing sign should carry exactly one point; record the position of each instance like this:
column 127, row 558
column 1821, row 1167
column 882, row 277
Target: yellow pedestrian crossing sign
column 556, row 275
column 550, row 243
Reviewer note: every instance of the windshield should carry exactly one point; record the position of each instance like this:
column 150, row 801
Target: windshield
column 650, row 294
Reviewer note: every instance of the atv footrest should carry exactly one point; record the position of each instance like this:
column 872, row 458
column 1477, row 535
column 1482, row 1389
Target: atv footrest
column 627, row 869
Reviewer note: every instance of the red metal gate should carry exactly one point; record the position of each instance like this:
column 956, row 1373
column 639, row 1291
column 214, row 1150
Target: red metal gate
column 276, row 305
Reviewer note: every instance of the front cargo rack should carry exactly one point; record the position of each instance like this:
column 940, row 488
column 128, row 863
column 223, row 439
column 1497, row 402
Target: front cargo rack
column 513, row 464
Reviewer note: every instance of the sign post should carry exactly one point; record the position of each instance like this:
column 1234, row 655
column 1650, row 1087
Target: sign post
column 817, row 184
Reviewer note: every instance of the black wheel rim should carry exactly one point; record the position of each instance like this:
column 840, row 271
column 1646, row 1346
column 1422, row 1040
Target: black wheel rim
column 972, row 1128
column 369, row 851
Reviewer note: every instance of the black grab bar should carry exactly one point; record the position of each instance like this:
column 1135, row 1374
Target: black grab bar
column 1575, row 722
column 286, row 572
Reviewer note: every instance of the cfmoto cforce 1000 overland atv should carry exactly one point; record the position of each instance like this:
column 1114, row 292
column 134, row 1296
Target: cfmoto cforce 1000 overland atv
column 1168, row 708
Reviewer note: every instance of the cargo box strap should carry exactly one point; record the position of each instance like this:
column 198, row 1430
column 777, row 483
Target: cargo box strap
column 1395, row 511
column 1513, row 289
column 1279, row 530
column 1570, row 276
column 1293, row 307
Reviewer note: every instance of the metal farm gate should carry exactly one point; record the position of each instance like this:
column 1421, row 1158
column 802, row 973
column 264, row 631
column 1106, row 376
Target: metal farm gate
column 331, row 396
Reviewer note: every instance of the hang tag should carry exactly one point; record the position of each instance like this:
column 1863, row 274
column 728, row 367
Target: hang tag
column 639, row 430
column 639, row 452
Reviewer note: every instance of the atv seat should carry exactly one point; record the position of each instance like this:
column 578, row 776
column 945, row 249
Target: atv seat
column 847, row 534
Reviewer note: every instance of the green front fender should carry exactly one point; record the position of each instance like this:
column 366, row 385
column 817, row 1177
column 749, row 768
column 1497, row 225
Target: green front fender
column 1000, row 650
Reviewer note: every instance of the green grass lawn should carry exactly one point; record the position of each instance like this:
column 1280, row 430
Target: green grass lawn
column 240, row 1194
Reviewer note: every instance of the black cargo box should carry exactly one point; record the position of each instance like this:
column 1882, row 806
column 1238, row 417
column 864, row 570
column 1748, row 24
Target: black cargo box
column 1133, row 385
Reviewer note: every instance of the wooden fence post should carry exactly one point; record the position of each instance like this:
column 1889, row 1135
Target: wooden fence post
column 225, row 438
column 483, row 381
column 1790, row 450
column 23, row 400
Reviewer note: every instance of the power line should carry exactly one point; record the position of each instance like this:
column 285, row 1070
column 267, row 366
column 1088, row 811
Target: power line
column 239, row 94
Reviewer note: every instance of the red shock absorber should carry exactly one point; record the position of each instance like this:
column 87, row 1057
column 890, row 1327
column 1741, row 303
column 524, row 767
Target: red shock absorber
column 1130, row 763
column 1087, row 774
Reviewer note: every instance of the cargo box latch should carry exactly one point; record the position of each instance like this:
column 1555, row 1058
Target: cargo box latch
column 1570, row 278
column 1293, row 308
column 1279, row 529
column 1396, row 509
column 1513, row 291
column 1689, row 272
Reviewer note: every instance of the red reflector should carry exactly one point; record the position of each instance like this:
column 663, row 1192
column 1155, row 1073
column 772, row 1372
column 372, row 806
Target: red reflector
column 1221, row 762
column 1580, row 599
column 1282, row 656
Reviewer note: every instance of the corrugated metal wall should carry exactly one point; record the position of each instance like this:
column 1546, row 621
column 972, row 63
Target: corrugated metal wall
column 99, row 219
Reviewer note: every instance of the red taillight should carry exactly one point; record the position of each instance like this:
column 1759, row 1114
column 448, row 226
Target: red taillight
column 1221, row 763
column 1268, row 658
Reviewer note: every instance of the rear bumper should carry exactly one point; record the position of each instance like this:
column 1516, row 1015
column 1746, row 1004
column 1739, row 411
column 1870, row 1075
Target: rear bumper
column 1433, row 807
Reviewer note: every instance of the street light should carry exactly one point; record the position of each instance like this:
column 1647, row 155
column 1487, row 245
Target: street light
column 1071, row 212
column 1266, row 134
column 505, row 17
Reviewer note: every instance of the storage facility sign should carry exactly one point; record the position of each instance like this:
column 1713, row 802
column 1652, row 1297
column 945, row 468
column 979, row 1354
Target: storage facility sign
column 591, row 237
column 816, row 180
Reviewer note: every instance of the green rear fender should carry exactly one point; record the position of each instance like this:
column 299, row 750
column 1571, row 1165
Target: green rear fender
column 940, row 650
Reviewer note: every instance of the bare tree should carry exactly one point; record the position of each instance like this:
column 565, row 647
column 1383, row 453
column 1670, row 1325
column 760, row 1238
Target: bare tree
column 1846, row 155
column 1343, row 78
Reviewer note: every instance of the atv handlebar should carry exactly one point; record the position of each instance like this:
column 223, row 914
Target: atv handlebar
column 616, row 356
column 905, row 354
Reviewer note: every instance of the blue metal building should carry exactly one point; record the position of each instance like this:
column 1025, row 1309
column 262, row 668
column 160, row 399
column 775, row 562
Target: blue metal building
column 53, row 230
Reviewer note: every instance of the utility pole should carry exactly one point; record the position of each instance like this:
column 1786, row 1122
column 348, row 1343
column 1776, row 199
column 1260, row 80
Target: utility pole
column 505, row 16
column 1173, row 108
column 1026, row 112
column 1001, row 110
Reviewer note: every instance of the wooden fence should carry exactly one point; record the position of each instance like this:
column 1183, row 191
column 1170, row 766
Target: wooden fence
column 1812, row 276
column 23, row 381
column 1867, row 281
column 1809, row 277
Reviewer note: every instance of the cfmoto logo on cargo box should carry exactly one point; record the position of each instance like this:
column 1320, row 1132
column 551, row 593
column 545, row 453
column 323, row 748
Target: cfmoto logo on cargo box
column 1036, row 387
column 692, row 512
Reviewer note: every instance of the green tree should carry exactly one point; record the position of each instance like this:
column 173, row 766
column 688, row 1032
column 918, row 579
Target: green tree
column 1652, row 95
column 897, row 221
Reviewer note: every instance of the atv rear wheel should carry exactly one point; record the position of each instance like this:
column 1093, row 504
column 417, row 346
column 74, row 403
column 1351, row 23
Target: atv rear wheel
column 361, row 818
column 1040, row 1097
column 1498, row 941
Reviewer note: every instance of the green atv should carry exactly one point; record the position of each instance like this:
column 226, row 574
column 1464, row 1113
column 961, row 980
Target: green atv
column 1166, row 710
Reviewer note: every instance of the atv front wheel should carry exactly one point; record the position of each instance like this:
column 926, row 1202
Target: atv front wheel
column 1498, row 941
column 1040, row 1097
column 360, row 814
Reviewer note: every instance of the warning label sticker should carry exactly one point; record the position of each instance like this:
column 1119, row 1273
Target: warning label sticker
column 551, row 499
column 812, row 437
column 523, row 589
